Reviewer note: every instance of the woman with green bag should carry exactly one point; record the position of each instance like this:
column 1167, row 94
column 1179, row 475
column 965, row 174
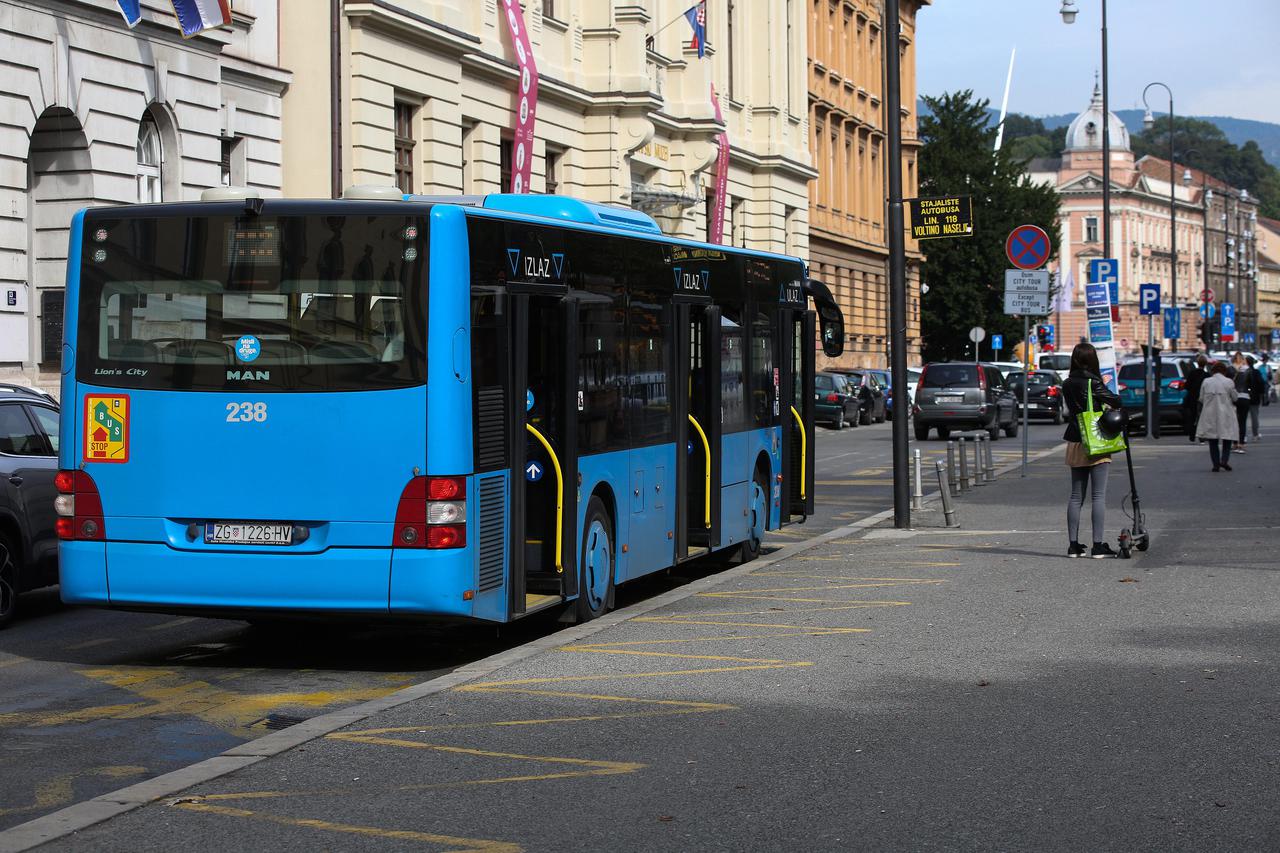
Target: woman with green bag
column 1085, row 394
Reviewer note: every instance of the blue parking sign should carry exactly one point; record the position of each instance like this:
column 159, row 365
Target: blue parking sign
column 1148, row 299
column 1228, row 321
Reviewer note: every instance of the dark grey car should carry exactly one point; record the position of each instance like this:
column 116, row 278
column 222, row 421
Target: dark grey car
column 964, row 396
column 28, row 463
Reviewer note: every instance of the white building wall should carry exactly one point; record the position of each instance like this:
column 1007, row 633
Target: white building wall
column 78, row 82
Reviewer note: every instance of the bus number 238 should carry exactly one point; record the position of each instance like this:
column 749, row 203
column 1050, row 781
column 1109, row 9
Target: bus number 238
column 246, row 412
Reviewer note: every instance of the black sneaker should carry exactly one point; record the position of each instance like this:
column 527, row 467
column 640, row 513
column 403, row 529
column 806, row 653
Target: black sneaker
column 1075, row 549
column 1101, row 549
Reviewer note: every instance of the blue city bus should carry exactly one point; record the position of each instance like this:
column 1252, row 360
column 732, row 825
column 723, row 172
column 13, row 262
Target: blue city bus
column 460, row 408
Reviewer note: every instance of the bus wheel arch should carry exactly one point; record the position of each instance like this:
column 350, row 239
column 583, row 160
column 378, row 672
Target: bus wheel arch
column 599, row 550
column 764, row 474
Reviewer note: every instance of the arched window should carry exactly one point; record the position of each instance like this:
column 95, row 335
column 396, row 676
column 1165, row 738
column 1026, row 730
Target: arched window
column 150, row 158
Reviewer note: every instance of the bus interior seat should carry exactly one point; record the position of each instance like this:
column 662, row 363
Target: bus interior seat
column 197, row 351
column 281, row 352
column 338, row 352
column 133, row 350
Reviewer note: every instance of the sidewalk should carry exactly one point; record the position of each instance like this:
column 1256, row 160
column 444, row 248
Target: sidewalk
column 934, row 688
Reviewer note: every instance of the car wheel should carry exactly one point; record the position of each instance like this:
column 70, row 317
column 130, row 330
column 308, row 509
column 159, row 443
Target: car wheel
column 855, row 421
column 994, row 431
column 922, row 432
column 944, row 433
column 1012, row 429
column 8, row 580
column 1058, row 419
column 595, row 568
column 839, row 422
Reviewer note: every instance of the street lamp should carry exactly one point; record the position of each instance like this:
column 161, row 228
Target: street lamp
column 1069, row 12
column 1149, row 122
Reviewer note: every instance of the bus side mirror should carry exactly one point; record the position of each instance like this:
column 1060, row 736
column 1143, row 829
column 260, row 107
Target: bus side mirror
column 830, row 320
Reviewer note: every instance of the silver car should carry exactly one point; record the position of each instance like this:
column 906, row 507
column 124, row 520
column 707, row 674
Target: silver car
column 964, row 396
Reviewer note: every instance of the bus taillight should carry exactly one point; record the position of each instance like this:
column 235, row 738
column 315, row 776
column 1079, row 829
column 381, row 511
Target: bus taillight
column 432, row 513
column 79, row 507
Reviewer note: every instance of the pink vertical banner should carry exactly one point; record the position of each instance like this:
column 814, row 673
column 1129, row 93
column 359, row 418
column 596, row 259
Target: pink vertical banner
column 526, row 99
column 715, row 233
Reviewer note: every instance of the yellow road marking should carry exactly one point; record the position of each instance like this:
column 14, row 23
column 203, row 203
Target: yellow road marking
column 455, row 844
column 800, row 631
column 13, row 661
column 747, row 593
column 59, row 791
column 560, row 679
column 808, row 630
column 166, row 692
column 639, row 653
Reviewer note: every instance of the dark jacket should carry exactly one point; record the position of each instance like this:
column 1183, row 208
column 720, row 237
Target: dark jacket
column 1249, row 381
column 1075, row 395
column 1195, row 378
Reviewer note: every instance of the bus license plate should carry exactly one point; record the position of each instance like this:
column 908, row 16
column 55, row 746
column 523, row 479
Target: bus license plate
column 247, row 533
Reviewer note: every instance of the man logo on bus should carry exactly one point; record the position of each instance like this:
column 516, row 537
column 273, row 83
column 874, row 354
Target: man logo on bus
column 248, row 348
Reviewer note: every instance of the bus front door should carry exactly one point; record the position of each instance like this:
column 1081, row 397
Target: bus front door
column 698, row 429
column 797, row 339
column 544, row 471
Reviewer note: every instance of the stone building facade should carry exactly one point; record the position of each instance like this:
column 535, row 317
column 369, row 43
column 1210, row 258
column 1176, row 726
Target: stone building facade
column 1268, row 260
column 425, row 97
column 1210, row 220
column 95, row 113
column 848, row 243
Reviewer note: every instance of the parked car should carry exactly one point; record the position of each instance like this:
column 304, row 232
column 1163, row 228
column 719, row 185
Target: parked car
column 1059, row 361
column 964, row 396
column 1133, row 396
column 1007, row 367
column 835, row 401
column 871, row 394
column 913, row 378
column 1044, row 394
column 7, row 390
column 28, row 464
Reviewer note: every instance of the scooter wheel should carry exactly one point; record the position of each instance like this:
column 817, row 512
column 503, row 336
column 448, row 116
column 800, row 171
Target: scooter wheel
column 1123, row 554
column 1144, row 542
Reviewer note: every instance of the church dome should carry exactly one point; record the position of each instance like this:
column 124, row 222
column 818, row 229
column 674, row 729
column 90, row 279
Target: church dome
column 1085, row 131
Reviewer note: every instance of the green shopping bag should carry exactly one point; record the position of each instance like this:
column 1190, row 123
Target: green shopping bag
column 1095, row 443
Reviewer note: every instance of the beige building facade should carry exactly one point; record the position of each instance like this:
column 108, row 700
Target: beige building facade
column 848, row 242
column 92, row 112
column 424, row 97
column 1268, row 284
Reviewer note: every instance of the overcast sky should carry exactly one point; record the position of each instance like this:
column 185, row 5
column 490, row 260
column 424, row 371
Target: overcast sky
column 1220, row 58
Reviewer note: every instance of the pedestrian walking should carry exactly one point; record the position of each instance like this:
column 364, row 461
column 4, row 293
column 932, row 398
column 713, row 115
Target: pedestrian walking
column 1088, row 473
column 1257, row 387
column 1218, row 424
column 1241, row 377
column 1195, row 377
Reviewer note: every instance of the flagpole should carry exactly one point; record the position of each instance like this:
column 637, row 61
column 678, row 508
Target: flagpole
column 679, row 17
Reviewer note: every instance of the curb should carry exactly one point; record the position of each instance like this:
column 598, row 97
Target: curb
column 83, row 815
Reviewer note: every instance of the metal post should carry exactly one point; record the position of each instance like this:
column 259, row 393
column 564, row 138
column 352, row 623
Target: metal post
column 953, row 479
column 1026, row 380
column 964, row 467
column 917, row 493
column 991, row 464
column 948, row 511
column 897, row 259
column 979, row 478
column 1148, row 374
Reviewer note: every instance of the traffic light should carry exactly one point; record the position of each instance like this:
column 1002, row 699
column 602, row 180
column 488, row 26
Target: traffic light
column 1042, row 334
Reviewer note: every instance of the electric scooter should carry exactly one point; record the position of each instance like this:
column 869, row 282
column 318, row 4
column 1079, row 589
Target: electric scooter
column 1135, row 536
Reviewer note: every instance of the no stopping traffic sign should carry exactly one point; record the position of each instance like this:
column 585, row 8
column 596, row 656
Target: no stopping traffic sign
column 1027, row 247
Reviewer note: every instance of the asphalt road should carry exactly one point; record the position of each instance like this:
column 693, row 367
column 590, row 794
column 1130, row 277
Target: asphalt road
column 926, row 689
column 91, row 700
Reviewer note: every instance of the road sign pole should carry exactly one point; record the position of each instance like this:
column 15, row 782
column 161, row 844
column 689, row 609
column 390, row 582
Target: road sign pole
column 897, row 263
column 1149, row 373
column 1026, row 381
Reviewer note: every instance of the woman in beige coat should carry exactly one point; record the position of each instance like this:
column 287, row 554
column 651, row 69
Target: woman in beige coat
column 1217, row 424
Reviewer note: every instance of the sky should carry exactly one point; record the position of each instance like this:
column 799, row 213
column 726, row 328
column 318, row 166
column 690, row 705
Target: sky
column 1219, row 58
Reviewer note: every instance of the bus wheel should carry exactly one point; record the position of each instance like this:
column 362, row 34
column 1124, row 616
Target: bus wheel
column 595, row 569
column 8, row 580
column 758, row 510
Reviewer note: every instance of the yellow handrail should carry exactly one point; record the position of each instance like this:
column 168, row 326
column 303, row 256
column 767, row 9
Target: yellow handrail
column 559, row 498
column 706, row 452
column 804, row 451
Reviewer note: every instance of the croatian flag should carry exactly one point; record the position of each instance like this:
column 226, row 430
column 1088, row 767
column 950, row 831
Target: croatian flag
column 697, row 17
column 131, row 11
column 196, row 16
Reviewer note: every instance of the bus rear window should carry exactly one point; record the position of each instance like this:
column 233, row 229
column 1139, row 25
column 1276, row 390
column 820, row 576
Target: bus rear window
column 306, row 303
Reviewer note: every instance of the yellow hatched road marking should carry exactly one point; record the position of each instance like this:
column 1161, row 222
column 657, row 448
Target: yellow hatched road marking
column 817, row 630
column 874, row 584
column 639, row 653
column 454, row 844
column 59, row 791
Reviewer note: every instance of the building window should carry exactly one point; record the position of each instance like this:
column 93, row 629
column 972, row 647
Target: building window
column 150, row 160
column 504, row 165
column 738, row 223
column 404, row 143
column 468, row 158
column 549, row 9
column 232, row 164
column 551, row 171
column 1091, row 229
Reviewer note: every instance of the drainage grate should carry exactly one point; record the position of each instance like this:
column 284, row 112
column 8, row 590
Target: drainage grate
column 275, row 722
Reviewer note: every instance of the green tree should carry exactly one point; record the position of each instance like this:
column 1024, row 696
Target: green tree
column 966, row 274
column 1202, row 145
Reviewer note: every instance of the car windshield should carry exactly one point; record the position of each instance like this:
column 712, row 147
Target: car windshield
column 1037, row 378
column 824, row 383
column 949, row 375
column 1134, row 370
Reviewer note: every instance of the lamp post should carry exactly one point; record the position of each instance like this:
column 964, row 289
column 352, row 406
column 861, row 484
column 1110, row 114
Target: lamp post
column 1069, row 12
column 1206, row 199
column 1149, row 122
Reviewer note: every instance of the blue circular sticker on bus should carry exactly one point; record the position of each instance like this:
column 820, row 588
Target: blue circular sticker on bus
column 248, row 348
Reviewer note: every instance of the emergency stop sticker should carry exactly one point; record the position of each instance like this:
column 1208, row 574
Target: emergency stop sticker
column 106, row 428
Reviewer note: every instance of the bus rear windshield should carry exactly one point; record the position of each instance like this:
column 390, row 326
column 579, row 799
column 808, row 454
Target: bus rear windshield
column 291, row 303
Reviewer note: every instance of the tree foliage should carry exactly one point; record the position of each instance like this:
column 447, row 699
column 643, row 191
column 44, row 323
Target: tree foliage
column 966, row 274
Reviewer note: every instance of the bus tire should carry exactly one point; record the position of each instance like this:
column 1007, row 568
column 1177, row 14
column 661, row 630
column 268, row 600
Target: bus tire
column 758, row 513
column 596, row 566
column 10, row 561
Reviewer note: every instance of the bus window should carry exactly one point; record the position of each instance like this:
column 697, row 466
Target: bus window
column 764, row 390
column 284, row 303
column 649, row 402
column 602, row 423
